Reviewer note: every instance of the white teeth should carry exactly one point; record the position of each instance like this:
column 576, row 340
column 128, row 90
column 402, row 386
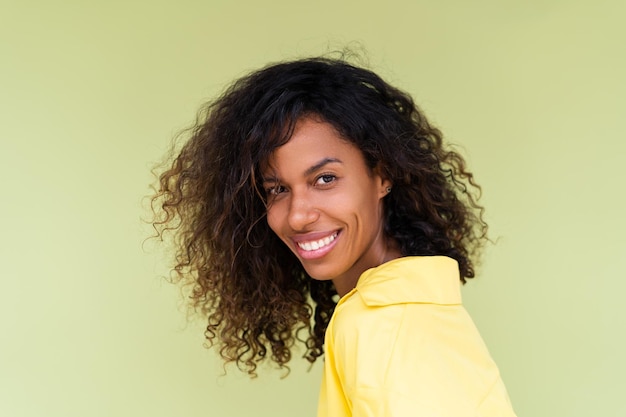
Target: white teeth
column 317, row 244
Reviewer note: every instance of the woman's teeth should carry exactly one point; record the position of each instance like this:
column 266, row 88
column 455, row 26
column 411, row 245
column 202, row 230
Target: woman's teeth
column 317, row 244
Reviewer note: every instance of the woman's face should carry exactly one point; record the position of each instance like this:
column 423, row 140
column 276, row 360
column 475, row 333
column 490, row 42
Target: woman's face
column 326, row 205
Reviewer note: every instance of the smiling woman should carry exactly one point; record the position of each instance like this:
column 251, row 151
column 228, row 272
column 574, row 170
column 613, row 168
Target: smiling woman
column 313, row 180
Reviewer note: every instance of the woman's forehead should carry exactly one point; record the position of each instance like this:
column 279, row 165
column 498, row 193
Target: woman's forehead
column 313, row 145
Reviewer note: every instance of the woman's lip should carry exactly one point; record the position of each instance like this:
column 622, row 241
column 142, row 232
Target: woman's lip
column 313, row 236
column 316, row 253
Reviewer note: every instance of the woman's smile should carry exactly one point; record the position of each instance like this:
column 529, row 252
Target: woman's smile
column 312, row 247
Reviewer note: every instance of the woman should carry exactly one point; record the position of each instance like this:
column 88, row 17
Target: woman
column 313, row 191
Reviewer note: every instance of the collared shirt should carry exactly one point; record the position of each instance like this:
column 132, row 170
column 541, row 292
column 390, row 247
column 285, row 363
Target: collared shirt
column 401, row 344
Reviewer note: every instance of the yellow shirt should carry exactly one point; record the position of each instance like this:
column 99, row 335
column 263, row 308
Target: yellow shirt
column 401, row 345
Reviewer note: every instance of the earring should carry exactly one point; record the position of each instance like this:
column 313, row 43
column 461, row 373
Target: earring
column 388, row 190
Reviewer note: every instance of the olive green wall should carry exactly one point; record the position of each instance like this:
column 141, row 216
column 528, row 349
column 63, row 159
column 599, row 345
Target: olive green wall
column 92, row 92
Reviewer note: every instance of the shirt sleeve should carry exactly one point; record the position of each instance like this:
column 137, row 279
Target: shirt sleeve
column 378, row 402
column 416, row 360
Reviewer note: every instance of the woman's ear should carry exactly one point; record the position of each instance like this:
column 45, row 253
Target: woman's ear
column 384, row 185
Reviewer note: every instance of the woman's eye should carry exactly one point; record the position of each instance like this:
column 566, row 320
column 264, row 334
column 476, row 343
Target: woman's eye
column 275, row 190
column 325, row 179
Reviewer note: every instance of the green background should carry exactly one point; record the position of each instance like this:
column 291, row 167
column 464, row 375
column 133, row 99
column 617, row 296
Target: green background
column 91, row 93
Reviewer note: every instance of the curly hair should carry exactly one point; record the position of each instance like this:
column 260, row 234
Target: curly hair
column 257, row 297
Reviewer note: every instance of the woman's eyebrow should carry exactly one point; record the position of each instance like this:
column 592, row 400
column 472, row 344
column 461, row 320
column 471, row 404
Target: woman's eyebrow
column 320, row 164
column 271, row 179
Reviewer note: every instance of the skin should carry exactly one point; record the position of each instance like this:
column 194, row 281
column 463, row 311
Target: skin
column 326, row 205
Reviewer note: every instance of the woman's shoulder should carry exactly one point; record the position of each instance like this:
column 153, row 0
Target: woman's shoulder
column 406, row 294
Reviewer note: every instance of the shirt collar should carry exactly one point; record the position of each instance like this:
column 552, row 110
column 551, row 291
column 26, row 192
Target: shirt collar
column 411, row 279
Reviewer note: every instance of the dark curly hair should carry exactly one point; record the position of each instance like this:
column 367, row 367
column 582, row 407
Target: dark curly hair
column 258, row 298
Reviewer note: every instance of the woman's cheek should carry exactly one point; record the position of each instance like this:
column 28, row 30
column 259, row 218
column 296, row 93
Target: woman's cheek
column 273, row 218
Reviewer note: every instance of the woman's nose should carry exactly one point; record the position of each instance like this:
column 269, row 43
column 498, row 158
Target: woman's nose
column 302, row 212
